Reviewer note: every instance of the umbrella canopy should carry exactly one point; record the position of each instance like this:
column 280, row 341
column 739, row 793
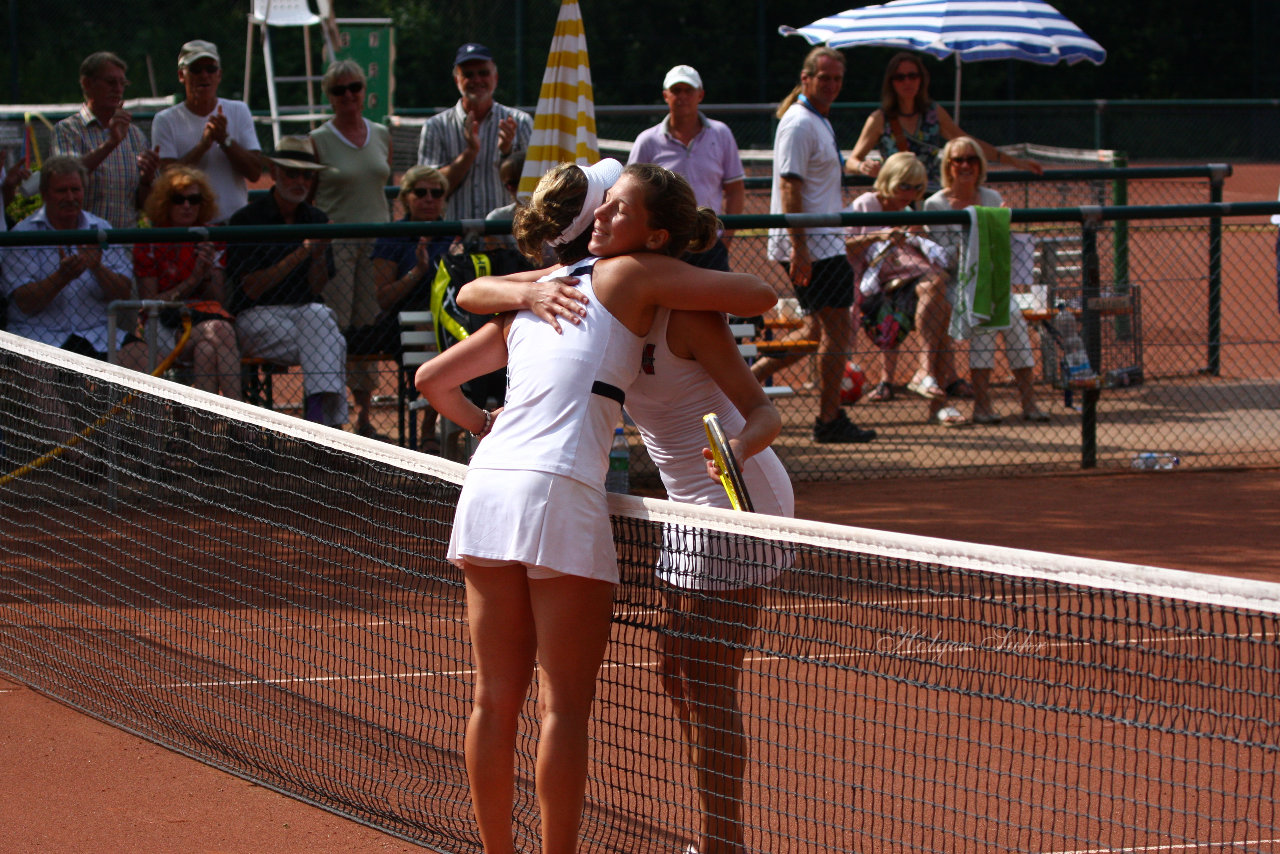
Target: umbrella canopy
column 972, row 30
column 564, row 126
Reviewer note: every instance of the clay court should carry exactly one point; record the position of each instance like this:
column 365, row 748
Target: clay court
column 75, row 784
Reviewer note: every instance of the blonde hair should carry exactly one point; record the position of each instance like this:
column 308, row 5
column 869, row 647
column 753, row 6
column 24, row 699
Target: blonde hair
column 173, row 178
column 670, row 205
column 949, row 152
column 901, row 168
column 341, row 68
column 809, row 67
column 555, row 202
column 421, row 172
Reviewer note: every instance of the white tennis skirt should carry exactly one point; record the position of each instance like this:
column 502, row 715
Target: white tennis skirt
column 543, row 521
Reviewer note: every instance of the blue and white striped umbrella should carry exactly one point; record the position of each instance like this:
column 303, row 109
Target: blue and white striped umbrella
column 972, row 30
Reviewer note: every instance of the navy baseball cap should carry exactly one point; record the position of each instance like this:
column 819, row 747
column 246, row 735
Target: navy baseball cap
column 470, row 51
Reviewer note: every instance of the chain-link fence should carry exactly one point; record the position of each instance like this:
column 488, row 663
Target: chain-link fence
column 1177, row 309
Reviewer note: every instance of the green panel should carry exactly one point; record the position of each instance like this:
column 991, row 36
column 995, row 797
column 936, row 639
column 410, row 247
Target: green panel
column 373, row 45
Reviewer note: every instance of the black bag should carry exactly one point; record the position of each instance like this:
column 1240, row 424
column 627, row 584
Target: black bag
column 454, row 323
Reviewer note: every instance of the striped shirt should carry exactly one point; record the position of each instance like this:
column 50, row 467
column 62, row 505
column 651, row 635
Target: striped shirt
column 444, row 138
column 112, row 192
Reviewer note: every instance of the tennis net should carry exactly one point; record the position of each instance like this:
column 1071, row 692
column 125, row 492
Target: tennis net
column 271, row 598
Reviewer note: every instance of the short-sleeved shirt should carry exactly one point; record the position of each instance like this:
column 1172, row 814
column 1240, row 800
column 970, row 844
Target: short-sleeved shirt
column 708, row 162
column 80, row 308
column 177, row 130
column 443, row 139
column 169, row 263
column 805, row 147
column 113, row 187
column 354, row 187
column 245, row 258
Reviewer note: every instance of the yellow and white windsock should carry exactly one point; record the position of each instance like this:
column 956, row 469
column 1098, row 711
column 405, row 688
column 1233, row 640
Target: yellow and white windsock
column 564, row 129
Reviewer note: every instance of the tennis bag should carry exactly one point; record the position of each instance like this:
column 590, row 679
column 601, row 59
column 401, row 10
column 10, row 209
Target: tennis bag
column 453, row 323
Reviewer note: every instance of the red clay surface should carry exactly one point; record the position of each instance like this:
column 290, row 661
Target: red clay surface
column 74, row 784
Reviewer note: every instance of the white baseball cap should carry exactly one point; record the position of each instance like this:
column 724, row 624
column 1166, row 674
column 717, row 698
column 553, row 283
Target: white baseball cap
column 682, row 74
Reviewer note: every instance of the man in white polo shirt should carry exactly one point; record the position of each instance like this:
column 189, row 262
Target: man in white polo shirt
column 213, row 134
column 703, row 150
column 807, row 171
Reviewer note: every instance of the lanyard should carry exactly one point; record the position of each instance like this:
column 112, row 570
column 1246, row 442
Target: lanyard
column 805, row 102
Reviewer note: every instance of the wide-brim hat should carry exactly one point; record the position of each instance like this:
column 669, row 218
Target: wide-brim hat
column 600, row 177
column 296, row 152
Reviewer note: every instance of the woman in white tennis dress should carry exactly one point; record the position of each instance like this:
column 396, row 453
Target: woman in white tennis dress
column 532, row 532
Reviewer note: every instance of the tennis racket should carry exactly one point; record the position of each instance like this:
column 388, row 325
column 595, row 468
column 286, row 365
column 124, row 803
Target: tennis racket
column 731, row 476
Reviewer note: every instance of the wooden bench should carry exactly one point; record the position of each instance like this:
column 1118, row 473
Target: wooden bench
column 752, row 348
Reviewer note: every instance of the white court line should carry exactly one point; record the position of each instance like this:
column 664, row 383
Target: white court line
column 1193, row 846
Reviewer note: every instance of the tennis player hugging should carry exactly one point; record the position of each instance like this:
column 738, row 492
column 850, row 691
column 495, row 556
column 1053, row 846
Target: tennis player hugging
column 532, row 531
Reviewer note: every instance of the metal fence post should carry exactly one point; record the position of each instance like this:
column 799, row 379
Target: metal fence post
column 1120, row 267
column 1090, row 281
column 1218, row 173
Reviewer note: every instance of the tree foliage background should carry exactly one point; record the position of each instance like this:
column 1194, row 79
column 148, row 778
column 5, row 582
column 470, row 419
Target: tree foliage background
column 1156, row 48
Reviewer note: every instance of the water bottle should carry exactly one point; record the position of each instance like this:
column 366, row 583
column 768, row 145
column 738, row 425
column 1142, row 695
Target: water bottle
column 1075, row 359
column 619, row 477
column 1149, row 461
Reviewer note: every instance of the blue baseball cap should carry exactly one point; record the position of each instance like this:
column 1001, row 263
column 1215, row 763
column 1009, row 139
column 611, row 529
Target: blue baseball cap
column 471, row 51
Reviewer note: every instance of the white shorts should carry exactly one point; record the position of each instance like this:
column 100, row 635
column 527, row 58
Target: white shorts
column 1017, row 344
column 544, row 521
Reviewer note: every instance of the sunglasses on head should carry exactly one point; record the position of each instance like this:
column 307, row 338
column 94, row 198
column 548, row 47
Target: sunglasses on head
column 354, row 88
column 435, row 192
column 904, row 75
column 193, row 199
column 966, row 160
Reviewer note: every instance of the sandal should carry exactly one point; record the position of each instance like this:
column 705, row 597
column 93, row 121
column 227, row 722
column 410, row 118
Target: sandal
column 927, row 388
column 987, row 418
column 882, row 393
column 961, row 388
column 948, row 416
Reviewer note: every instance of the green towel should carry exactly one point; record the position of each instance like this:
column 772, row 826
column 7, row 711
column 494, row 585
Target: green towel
column 991, row 295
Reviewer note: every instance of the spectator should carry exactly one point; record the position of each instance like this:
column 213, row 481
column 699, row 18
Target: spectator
column 909, row 120
column 357, row 157
column 964, row 168
column 213, row 134
column 101, row 134
column 468, row 142
column 193, row 273
column 806, row 179
column 703, row 150
column 276, row 287
column 58, row 295
column 404, row 266
column 902, row 285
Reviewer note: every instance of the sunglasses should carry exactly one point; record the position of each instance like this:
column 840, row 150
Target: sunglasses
column 436, row 192
column 966, row 160
column 914, row 188
column 193, row 199
column 904, row 75
column 354, row 88
column 203, row 68
column 297, row 174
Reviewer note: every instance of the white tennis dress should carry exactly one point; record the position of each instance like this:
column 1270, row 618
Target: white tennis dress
column 667, row 402
column 534, row 493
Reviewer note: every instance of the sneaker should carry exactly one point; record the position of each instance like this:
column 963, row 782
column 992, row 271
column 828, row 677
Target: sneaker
column 840, row 430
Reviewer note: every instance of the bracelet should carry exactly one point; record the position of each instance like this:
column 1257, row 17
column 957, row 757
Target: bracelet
column 488, row 425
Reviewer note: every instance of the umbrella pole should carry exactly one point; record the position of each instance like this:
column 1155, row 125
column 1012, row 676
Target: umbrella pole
column 957, row 102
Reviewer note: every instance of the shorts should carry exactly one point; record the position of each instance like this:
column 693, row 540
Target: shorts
column 830, row 285
column 715, row 258
column 544, row 521
column 1017, row 345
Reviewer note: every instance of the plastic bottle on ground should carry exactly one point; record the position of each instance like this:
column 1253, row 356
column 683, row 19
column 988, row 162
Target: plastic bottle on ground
column 619, row 477
column 1151, row 461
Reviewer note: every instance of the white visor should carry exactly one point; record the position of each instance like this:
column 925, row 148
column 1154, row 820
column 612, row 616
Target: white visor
column 600, row 178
